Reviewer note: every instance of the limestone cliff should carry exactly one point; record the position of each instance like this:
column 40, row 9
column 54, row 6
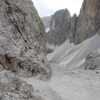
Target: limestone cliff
column 59, row 28
column 76, row 28
column 22, row 42
column 88, row 20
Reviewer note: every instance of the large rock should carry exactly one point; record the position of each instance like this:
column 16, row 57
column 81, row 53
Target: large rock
column 88, row 20
column 93, row 61
column 22, row 42
column 60, row 27
column 13, row 88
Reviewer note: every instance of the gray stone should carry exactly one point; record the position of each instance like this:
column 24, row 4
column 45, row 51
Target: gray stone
column 22, row 41
column 1, row 68
column 93, row 61
column 60, row 27
column 88, row 21
column 13, row 88
column 76, row 28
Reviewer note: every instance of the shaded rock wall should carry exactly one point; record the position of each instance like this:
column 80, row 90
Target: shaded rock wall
column 76, row 28
column 88, row 20
column 59, row 27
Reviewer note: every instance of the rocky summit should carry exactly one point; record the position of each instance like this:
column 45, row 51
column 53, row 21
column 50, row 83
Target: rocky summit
column 75, row 28
column 22, row 41
column 59, row 28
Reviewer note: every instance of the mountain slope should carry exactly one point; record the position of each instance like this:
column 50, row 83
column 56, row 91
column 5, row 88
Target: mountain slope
column 77, row 53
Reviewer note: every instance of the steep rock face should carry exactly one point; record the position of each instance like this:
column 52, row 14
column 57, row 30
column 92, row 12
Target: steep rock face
column 60, row 27
column 22, row 43
column 88, row 21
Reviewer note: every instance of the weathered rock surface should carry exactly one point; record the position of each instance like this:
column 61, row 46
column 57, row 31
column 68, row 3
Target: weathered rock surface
column 60, row 27
column 13, row 88
column 88, row 20
column 93, row 61
column 22, row 43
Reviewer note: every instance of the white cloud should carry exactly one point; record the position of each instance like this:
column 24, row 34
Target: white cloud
column 48, row 7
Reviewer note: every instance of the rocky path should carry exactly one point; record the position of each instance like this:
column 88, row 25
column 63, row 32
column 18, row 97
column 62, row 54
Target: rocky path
column 68, row 85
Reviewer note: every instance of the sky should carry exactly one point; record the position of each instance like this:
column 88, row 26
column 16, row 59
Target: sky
column 48, row 7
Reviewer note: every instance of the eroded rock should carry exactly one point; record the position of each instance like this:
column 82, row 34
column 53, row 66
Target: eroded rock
column 76, row 28
column 22, row 41
column 60, row 27
column 13, row 88
column 88, row 20
column 93, row 61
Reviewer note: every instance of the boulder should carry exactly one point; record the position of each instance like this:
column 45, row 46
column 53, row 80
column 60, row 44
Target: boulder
column 92, row 62
column 13, row 88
